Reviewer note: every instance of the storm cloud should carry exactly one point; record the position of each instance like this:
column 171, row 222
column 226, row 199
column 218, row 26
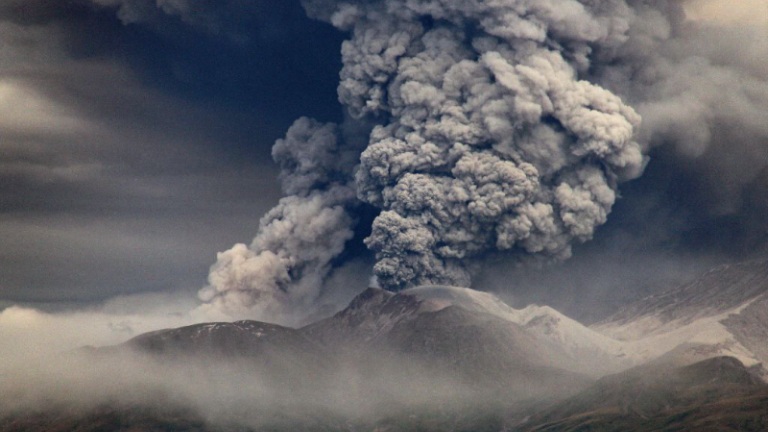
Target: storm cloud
column 108, row 142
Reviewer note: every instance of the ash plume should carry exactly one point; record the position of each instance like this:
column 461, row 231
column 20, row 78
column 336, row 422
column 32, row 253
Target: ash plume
column 297, row 240
column 501, row 127
column 491, row 141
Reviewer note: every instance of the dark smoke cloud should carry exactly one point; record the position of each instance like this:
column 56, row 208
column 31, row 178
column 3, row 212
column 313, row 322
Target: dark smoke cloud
column 700, row 87
column 507, row 127
column 701, row 90
column 479, row 135
column 485, row 142
column 291, row 256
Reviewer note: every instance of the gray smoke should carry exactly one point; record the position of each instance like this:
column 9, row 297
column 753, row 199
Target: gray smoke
column 290, row 257
column 499, row 129
column 492, row 142
column 702, row 91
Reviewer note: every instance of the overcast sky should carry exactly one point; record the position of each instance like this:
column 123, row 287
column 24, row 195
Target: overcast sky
column 135, row 145
column 132, row 152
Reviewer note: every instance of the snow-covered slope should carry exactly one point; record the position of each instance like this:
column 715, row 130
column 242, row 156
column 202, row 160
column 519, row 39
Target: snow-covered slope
column 718, row 292
column 723, row 312
column 563, row 341
column 584, row 349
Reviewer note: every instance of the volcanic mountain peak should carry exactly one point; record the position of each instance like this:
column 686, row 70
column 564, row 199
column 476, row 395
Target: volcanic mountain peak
column 374, row 312
column 373, row 316
column 430, row 342
column 436, row 297
column 544, row 322
column 370, row 314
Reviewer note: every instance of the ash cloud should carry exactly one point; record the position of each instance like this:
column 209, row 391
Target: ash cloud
column 505, row 129
column 485, row 141
column 701, row 88
column 492, row 144
column 475, row 133
column 699, row 84
column 291, row 256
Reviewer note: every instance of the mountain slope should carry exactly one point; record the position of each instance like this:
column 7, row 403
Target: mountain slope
column 722, row 290
column 275, row 349
column 232, row 339
column 550, row 336
column 452, row 338
column 480, row 352
column 370, row 314
column 722, row 312
column 718, row 394
column 443, row 359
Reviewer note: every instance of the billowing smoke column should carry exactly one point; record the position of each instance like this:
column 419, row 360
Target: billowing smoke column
column 291, row 255
column 486, row 141
column 497, row 147
column 491, row 142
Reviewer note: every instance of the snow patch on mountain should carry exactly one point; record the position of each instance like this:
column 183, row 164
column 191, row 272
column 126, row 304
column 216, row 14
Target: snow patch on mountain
column 722, row 312
column 705, row 337
column 587, row 350
column 542, row 320
column 695, row 333
column 437, row 297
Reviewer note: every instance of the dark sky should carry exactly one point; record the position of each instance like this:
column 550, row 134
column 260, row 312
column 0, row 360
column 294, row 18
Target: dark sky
column 135, row 144
column 132, row 152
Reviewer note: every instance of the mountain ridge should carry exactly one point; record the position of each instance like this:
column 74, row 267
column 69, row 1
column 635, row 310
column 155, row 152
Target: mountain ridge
column 724, row 311
column 455, row 359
